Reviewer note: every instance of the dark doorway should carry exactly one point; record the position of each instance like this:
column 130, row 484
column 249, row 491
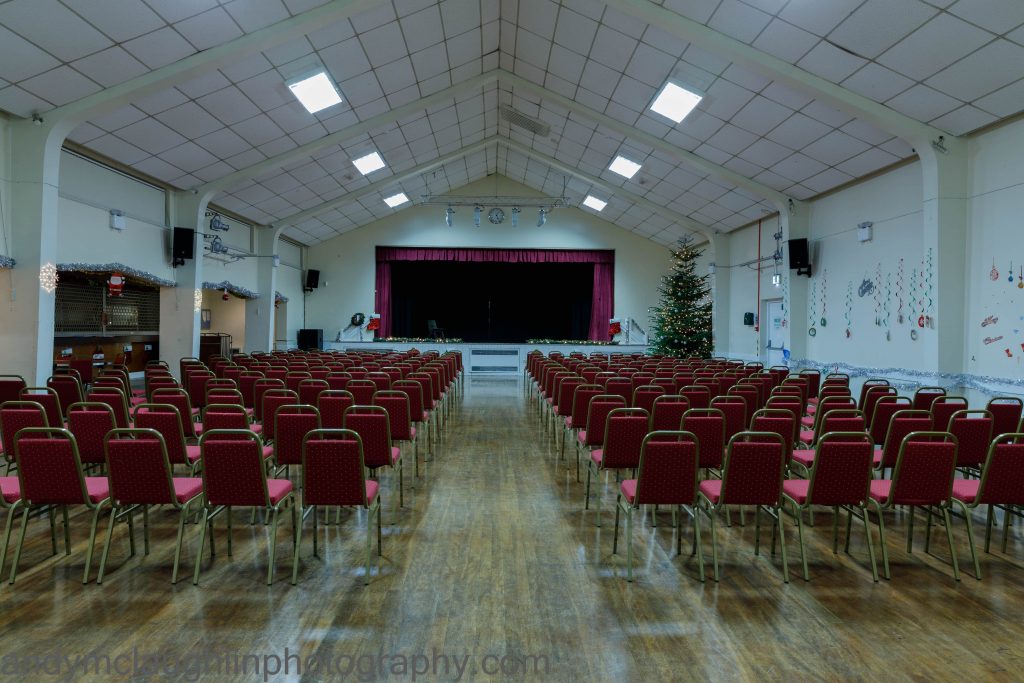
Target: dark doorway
column 492, row 302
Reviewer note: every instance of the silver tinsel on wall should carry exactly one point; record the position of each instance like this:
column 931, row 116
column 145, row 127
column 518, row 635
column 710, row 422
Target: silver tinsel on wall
column 234, row 289
column 6, row 262
column 944, row 379
column 280, row 298
column 115, row 268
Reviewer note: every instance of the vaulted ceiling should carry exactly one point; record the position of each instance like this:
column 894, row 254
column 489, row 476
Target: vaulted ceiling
column 425, row 82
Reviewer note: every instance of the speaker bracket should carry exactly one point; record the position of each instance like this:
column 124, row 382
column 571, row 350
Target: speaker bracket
column 804, row 271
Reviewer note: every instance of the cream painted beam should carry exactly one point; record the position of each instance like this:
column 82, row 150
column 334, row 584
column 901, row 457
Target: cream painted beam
column 916, row 133
column 611, row 189
column 689, row 158
column 202, row 62
column 379, row 185
column 348, row 133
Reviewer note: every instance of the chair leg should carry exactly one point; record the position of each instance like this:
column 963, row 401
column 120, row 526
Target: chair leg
column 928, row 528
column 131, row 531
column 273, row 547
column 67, row 530
column 202, row 542
column 871, row 545
column 92, row 542
column 757, row 530
column 296, row 525
column 600, row 490
column 714, row 542
column 8, row 527
column 1007, row 517
column 298, row 542
column 949, row 537
column 369, row 547
column 910, row 530
column 227, row 513
column 970, row 538
column 21, row 542
column 782, row 544
column 177, row 544
column 881, row 540
column 615, row 535
column 52, row 512
column 106, row 548
column 803, row 548
column 698, row 543
column 988, row 526
column 586, row 491
column 629, row 544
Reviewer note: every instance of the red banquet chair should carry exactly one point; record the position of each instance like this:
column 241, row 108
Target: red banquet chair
column 90, row 423
column 592, row 436
column 624, row 432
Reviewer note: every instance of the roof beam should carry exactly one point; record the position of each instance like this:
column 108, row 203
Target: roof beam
column 348, row 133
column 611, row 189
column 916, row 133
column 689, row 158
column 379, row 185
column 70, row 115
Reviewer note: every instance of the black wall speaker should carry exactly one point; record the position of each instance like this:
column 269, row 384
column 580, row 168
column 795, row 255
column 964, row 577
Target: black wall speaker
column 183, row 245
column 309, row 339
column 312, row 279
column 799, row 256
column 748, row 318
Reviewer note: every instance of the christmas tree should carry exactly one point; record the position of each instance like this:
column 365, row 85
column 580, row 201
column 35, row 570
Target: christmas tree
column 682, row 321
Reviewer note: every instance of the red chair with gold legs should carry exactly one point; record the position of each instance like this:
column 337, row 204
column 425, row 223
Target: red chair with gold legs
column 624, row 432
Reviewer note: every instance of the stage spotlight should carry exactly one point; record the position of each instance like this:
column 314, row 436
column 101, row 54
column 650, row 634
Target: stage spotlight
column 542, row 217
column 449, row 212
column 515, row 216
column 476, row 215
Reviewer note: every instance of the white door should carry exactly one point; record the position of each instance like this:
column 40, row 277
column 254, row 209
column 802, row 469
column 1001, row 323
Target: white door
column 773, row 333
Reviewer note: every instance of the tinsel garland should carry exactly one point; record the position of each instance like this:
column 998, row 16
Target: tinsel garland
column 947, row 379
column 6, row 262
column 573, row 342
column 418, row 340
column 280, row 298
column 116, row 268
column 234, row 289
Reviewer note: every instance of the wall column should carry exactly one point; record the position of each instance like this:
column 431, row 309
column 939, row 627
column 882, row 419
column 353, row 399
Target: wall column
column 720, row 295
column 179, row 314
column 794, row 221
column 259, row 313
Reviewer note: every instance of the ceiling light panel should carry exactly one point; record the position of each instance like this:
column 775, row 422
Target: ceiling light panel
column 316, row 92
column 675, row 102
column 624, row 167
column 369, row 163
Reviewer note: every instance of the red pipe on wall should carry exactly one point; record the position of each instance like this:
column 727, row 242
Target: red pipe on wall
column 757, row 309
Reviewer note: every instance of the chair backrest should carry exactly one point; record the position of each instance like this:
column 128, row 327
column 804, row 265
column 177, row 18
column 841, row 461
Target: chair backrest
column 841, row 420
column 234, row 473
column 884, row 408
column 813, row 382
column 777, row 421
column 943, row 408
column 333, row 472
column 566, row 389
column 667, row 412
column 698, row 396
column 669, row 464
column 196, row 386
column 1006, row 412
column 138, row 468
column 225, row 416
column 708, row 424
column 924, row 397
column 749, row 393
column 924, row 469
column 260, row 387
column 115, row 399
column 247, row 385
column 866, row 388
column 160, row 382
column 624, row 432
column 166, row 420
column 309, row 390
column 841, row 473
column 597, row 415
column 873, row 395
column 397, row 404
column 581, row 396
column 291, row 424
column 362, row 391
column 835, row 389
column 431, row 393
column 645, row 394
column 752, row 473
column 332, row 404
column 223, row 395
column 1002, row 478
column 973, row 432
column 84, row 368
column 48, row 399
column 294, row 378
column 16, row 415
column 90, row 423
column 380, row 379
column 786, row 402
column 272, row 400
column 640, row 378
column 714, row 388
column 68, row 388
column 374, row 428
column 179, row 399
column 737, row 417
column 49, row 469
column 903, row 422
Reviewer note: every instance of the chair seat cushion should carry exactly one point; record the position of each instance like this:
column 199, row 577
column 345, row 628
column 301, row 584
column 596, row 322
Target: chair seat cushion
column 277, row 489
column 372, row 490
column 426, row 416
column 628, row 488
column 966, row 490
column 396, row 455
column 255, row 428
column 581, row 436
column 10, row 489
column 880, row 489
column 813, row 400
column 138, row 400
column 268, row 452
column 195, row 411
column 876, row 457
column 197, row 427
column 555, row 410
column 712, row 490
column 597, row 455
column 412, row 433
column 797, row 489
column 187, row 488
column 97, row 488
column 804, row 456
column 568, row 422
column 807, row 421
column 192, row 453
column 806, row 436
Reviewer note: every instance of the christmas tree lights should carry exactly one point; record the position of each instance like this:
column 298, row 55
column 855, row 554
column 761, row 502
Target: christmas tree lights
column 682, row 320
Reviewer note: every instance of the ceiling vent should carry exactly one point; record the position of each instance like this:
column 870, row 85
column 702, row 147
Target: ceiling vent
column 518, row 118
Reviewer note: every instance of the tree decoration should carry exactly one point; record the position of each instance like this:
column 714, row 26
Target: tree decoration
column 849, row 308
column 811, row 330
column 682, row 320
column 824, row 296
column 48, row 277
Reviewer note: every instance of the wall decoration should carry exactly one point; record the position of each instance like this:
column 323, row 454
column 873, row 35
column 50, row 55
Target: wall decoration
column 990, row 320
column 849, row 308
column 1008, row 354
column 813, row 308
column 929, row 288
column 993, row 274
column 992, row 340
column 918, row 377
column 899, row 293
column 866, row 288
column 1010, row 278
column 6, row 262
column 1020, row 278
column 234, row 289
column 824, row 296
column 878, row 295
column 124, row 270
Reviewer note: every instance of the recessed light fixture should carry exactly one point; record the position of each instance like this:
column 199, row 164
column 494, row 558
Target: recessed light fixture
column 369, row 163
column 396, row 200
column 624, row 167
column 675, row 102
column 594, row 203
column 315, row 91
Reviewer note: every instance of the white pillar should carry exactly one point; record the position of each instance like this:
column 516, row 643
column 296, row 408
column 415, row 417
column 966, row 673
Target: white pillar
column 794, row 222
column 720, row 295
column 259, row 313
column 179, row 314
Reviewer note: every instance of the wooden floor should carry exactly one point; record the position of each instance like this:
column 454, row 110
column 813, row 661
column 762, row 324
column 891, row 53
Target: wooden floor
column 494, row 555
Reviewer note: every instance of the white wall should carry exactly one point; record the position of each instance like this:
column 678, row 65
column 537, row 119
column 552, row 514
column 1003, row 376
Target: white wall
column 348, row 267
column 6, row 306
column 227, row 317
column 744, row 341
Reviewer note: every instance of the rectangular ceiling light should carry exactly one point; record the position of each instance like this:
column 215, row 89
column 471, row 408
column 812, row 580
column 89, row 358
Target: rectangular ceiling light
column 675, row 102
column 396, row 200
column 369, row 163
column 315, row 92
column 624, row 167
column 594, row 203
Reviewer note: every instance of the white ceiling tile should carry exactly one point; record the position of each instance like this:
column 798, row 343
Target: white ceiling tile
column 934, row 46
column 267, row 90
column 188, row 157
column 963, row 120
column 223, row 143
column 566, row 65
column 877, row 82
column 650, row 65
column 176, row 10
column 63, row 33
column 744, row 167
column 229, row 105
column 785, row 41
column 119, row 19
column 724, row 98
column 299, row 6
column 773, row 180
column 110, row 67
column 761, row 115
column 459, row 16
column 213, row 171
column 834, row 148
column 255, row 14
column 745, row 78
column 866, row 132
column 990, row 68
column 826, row 180
column 190, row 120
column 818, row 17
column 1005, row 101
column 150, row 135
column 246, row 67
column 491, row 32
column 530, row 48
column 698, row 10
column 739, row 20
column 923, row 103
column 84, row 132
column 158, row 168
column 879, row 24
column 995, row 15
column 867, row 162
column 383, row 44
column 396, row 76
column 258, row 130
column 798, row 131
column 159, row 48
column 210, row 82
column 119, row 118
column 60, row 85
column 345, row 59
column 784, row 95
column 362, row 89
column 732, row 139
column 765, row 153
column 898, row 148
column 466, row 47
column 633, row 94
column 289, row 52
column 378, row 16
column 612, row 49
column 209, row 29
column 423, row 28
column 20, row 102
column 538, row 16
column 826, row 114
column 599, row 79
column 291, row 117
column 430, row 62
column 575, row 31
column 830, row 62
column 117, row 149
column 20, row 59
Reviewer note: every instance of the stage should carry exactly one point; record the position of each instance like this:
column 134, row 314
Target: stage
column 487, row 358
